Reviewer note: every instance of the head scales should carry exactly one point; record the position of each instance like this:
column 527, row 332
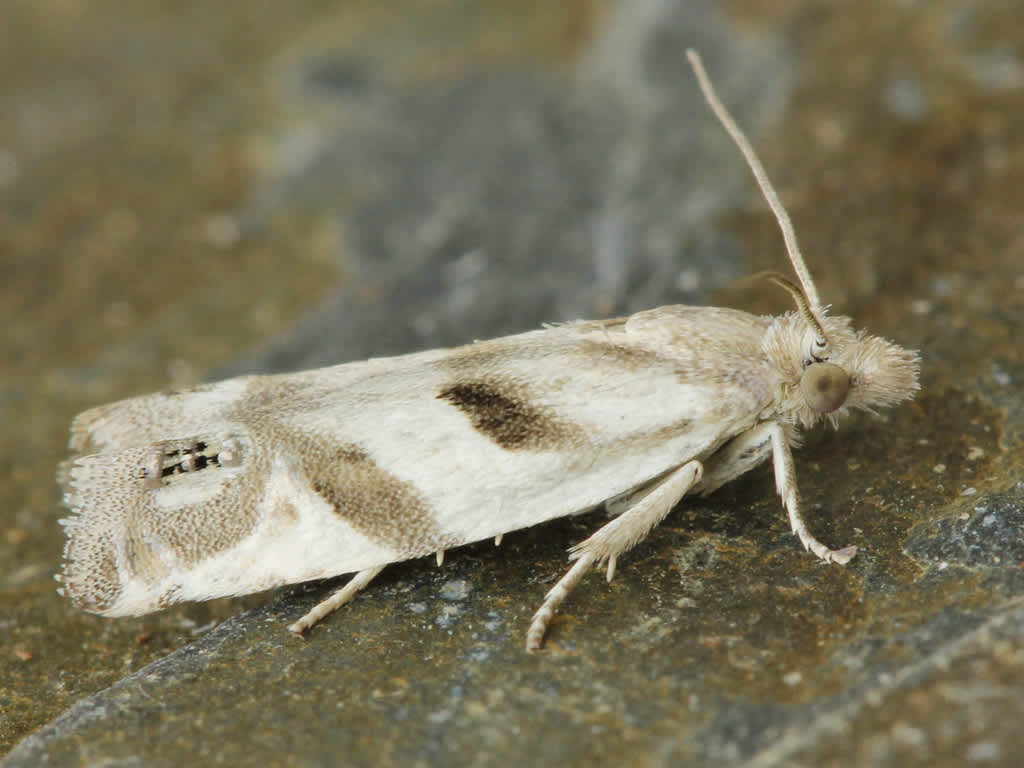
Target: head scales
column 842, row 369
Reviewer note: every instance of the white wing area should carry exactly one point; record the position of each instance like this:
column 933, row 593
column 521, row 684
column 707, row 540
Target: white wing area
column 331, row 471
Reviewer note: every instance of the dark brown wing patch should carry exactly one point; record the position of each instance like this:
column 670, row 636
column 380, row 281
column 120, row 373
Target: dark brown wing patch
column 503, row 412
column 379, row 505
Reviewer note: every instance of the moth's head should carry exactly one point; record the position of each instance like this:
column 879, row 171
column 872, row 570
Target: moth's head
column 825, row 367
column 829, row 368
column 860, row 371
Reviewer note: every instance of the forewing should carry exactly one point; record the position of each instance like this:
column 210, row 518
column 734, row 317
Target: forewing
column 255, row 482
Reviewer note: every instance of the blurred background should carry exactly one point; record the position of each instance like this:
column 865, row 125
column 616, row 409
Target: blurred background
column 191, row 190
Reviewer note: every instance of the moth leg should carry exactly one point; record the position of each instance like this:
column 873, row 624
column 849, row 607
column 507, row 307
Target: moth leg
column 335, row 601
column 785, row 483
column 612, row 539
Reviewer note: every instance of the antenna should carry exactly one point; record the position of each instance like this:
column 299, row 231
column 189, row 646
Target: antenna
column 792, row 247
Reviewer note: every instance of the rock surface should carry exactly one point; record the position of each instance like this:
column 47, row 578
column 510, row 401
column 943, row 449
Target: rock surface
column 222, row 188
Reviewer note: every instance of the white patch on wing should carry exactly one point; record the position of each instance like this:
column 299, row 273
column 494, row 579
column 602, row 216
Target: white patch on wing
column 287, row 548
column 193, row 488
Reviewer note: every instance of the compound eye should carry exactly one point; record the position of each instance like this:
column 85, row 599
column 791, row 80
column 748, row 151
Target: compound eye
column 825, row 386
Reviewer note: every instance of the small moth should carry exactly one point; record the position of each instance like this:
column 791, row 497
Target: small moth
column 260, row 481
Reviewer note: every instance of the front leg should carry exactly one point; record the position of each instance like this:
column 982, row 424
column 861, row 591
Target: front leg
column 785, row 483
column 614, row 538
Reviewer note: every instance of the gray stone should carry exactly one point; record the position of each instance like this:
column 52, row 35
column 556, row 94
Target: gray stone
column 478, row 193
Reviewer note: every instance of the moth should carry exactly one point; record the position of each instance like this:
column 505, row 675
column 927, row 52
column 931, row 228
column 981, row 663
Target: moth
column 260, row 481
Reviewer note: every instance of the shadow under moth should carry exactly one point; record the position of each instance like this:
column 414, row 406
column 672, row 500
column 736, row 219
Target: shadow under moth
column 255, row 482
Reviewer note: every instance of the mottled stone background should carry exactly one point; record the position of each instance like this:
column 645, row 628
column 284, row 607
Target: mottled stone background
column 193, row 189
